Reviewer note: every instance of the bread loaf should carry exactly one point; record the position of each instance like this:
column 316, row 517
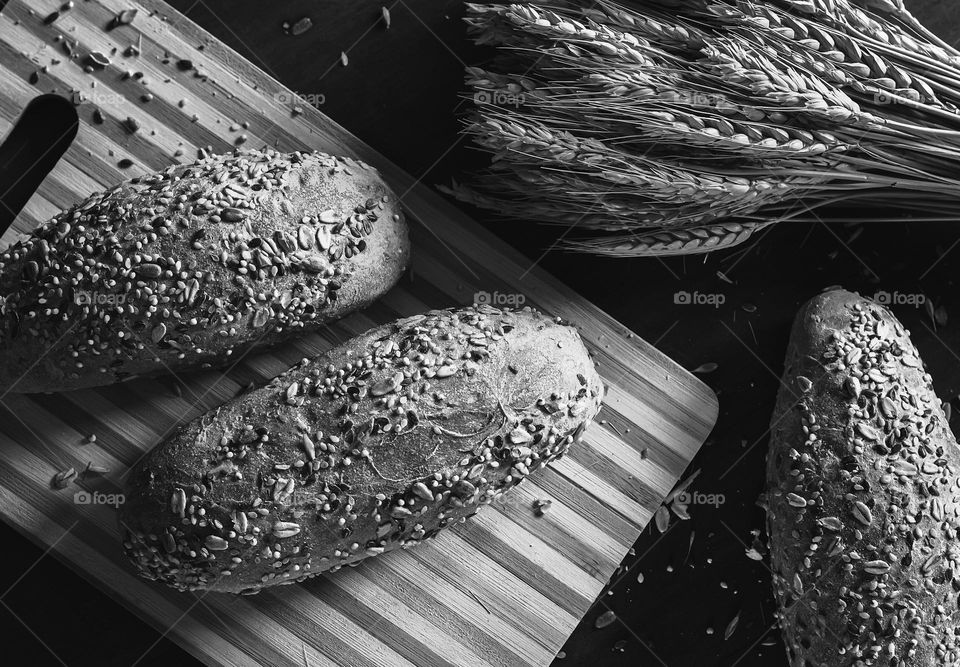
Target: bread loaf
column 862, row 495
column 376, row 445
column 191, row 266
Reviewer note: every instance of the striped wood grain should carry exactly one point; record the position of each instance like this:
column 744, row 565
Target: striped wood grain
column 505, row 588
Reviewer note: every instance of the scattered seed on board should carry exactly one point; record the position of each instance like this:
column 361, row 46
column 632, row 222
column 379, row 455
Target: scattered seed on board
column 386, row 16
column 124, row 18
column 343, row 58
column 708, row 367
column 605, row 619
column 63, row 478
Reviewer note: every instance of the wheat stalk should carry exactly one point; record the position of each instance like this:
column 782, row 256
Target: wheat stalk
column 672, row 127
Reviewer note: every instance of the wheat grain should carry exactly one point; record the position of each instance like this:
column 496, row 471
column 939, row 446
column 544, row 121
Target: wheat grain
column 696, row 240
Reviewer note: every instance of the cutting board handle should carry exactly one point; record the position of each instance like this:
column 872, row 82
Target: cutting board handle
column 40, row 137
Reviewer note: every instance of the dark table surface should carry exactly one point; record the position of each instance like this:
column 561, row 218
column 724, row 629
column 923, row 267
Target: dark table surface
column 400, row 93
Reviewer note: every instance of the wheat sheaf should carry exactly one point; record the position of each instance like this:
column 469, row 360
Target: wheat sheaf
column 665, row 127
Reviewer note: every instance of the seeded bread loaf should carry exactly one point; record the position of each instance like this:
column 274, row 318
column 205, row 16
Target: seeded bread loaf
column 186, row 268
column 374, row 446
column 862, row 495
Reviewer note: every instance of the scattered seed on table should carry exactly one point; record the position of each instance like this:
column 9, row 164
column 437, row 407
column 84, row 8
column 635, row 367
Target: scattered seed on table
column 731, row 627
column 605, row 619
column 940, row 315
column 301, row 26
column 661, row 518
column 708, row 367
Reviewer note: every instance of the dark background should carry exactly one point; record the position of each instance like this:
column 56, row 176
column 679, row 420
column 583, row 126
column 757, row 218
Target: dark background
column 400, row 95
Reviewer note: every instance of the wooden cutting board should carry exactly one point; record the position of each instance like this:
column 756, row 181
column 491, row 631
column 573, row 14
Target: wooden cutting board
column 507, row 587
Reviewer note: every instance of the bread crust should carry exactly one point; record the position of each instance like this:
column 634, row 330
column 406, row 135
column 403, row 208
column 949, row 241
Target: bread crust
column 862, row 494
column 376, row 445
column 189, row 267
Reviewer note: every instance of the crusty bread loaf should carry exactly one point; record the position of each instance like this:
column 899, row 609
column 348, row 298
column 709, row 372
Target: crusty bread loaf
column 186, row 268
column 375, row 445
column 862, row 495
